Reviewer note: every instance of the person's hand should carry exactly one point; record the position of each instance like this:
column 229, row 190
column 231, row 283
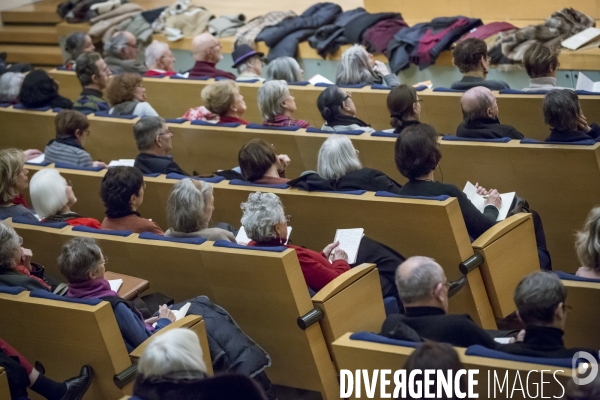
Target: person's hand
column 32, row 153
column 99, row 164
column 481, row 190
column 339, row 254
column 329, row 248
column 381, row 68
column 26, row 255
column 150, row 321
column 582, row 124
column 493, row 199
column 165, row 312
column 282, row 162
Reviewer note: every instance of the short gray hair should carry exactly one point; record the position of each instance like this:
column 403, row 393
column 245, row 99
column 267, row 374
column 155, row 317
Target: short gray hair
column 187, row 204
column 354, row 67
column 484, row 100
column 561, row 109
column 9, row 245
column 114, row 46
column 176, row 350
column 48, row 192
column 587, row 242
column 262, row 212
column 75, row 43
column 337, row 157
column 284, row 68
column 78, row 258
column 154, row 52
column 146, row 130
column 271, row 96
column 422, row 280
column 10, row 86
column 537, row 296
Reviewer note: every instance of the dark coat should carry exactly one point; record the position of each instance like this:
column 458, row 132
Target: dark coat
column 574, row 136
column 362, row 179
column 468, row 82
column 151, row 164
column 14, row 278
column 487, row 128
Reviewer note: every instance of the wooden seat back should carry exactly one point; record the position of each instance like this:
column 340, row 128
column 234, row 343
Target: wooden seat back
column 581, row 329
column 4, row 389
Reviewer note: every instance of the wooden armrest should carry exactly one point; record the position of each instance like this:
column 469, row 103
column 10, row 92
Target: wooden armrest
column 185, row 322
column 499, row 230
column 342, row 282
column 131, row 286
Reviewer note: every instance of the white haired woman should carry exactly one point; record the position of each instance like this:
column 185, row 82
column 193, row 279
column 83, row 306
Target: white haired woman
column 189, row 210
column 13, row 183
column 357, row 66
column 338, row 168
column 159, row 59
column 277, row 105
column 224, row 99
column 52, row 197
column 10, row 86
column 587, row 245
column 285, row 68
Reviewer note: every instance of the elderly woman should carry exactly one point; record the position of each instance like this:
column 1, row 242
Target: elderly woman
column 40, row 90
column 72, row 131
column 13, row 182
column 404, row 106
column 76, row 44
column 122, row 192
column 277, row 105
column 159, row 59
column 286, row 69
column 52, row 197
column 261, row 164
column 248, row 62
column 338, row 168
column 541, row 64
column 10, row 86
column 565, row 118
column 224, row 99
column 189, row 210
column 587, row 245
column 127, row 96
column 339, row 112
column 357, row 67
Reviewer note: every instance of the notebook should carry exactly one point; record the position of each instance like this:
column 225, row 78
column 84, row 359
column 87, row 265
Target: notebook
column 122, row 162
column 179, row 313
column 349, row 242
column 115, row 284
column 581, row 39
column 585, row 83
column 479, row 201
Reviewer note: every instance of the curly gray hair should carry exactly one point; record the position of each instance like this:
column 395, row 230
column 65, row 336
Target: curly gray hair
column 9, row 245
column 262, row 212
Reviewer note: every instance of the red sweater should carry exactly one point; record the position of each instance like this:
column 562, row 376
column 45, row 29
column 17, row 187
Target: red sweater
column 133, row 223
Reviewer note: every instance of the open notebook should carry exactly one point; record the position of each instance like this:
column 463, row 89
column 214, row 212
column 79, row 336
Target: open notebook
column 179, row 313
column 479, row 201
column 349, row 242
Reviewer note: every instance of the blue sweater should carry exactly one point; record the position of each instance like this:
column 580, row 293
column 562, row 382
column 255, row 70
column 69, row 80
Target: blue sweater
column 132, row 328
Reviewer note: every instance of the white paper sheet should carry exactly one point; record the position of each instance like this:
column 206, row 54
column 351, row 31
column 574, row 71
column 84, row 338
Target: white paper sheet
column 502, row 340
column 479, row 201
column 585, row 83
column 319, row 79
column 349, row 241
column 242, row 238
column 125, row 162
column 37, row 160
column 115, row 284
column 580, row 39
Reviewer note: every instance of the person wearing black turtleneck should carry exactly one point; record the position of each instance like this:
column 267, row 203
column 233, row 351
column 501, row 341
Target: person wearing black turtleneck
column 567, row 122
column 404, row 106
column 339, row 112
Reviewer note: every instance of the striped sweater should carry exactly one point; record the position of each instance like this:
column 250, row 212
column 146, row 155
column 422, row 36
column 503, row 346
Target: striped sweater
column 63, row 153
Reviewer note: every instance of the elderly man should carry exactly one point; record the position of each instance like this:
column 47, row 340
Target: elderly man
column 540, row 298
column 206, row 50
column 471, row 58
column 93, row 74
column 563, row 113
column 423, row 289
column 153, row 140
column 121, row 52
column 248, row 62
column 480, row 117
column 159, row 59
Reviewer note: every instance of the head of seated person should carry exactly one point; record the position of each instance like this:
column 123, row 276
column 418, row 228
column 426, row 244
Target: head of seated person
column 249, row 62
column 277, row 105
column 358, row 66
column 337, row 158
column 339, row 111
column 224, row 99
column 417, row 152
column 589, row 391
column 541, row 64
column 10, row 86
column 261, row 164
column 40, row 90
column 120, row 53
column 404, row 106
column 587, row 245
column 154, row 140
column 94, row 75
column 77, row 43
column 563, row 114
column 471, row 58
column 13, row 183
column 206, row 50
column 127, row 96
column 422, row 282
column 286, row 69
column 72, row 131
column 159, row 59
column 189, row 210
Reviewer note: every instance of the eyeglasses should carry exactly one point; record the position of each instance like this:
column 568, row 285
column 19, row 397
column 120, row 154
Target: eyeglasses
column 357, row 152
column 567, row 308
column 144, row 185
column 86, row 133
column 288, row 218
column 131, row 45
column 419, row 101
column 20, row 241
column 167, row 132
column 488, row 58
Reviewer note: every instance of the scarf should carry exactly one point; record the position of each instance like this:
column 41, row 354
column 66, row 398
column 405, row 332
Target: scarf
column 341, row 119
column 23, row 270
column 90, row 289
column 125, row 108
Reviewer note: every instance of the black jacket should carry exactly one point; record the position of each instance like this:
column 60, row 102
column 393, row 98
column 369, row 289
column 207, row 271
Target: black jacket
column 362, row 179
column 434, row 324
column 574, row 136
column 151, row 164
column 487, row 128
column 468, row 82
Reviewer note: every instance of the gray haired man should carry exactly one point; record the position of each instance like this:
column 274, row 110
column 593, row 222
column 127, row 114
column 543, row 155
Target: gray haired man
column 121, row 52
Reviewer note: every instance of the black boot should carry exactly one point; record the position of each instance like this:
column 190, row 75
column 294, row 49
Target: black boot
column 76, row 387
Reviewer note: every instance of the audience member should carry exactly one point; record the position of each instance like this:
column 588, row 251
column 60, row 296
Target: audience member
column 338, row 168
column 591, row 391
column 286, row 69
column 358, row 67
column 154, row 141
column 52, row 197
column 13, row 183
column 159, row 59
column 261, row 164
column 127, row 96
column 40, row 90
column 22, row 375
column 122, row 192
column 480, row 116
column 587, row 244
column 565, row 118
column 277, row 105
column 77, row 43
column 189, row 210
column 206, row 50
column 120, row 54
column 72, row 131
column 404, row 106
column 541, row 64
column 248, row 62
column 540, row 298
column 471, row 58
column 423, row 289
column 224, row 99
column 10, row 86
column 339, row 112
column 94, row 75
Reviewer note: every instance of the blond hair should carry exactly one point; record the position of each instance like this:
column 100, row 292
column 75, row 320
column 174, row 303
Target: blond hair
column 587, row 242
column 219, row 96
column 11, row 164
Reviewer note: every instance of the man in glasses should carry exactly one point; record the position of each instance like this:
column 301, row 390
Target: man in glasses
column 206, row 50
column 121, row 53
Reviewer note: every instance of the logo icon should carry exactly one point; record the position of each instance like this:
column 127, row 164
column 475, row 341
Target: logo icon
column 580, row 369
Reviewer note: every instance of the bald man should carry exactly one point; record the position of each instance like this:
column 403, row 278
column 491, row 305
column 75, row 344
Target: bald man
column 121, row 52
column 423, row 289
column 206, row 50
column 480, row 117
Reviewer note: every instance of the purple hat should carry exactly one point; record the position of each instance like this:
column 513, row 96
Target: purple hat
column 243, row 52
